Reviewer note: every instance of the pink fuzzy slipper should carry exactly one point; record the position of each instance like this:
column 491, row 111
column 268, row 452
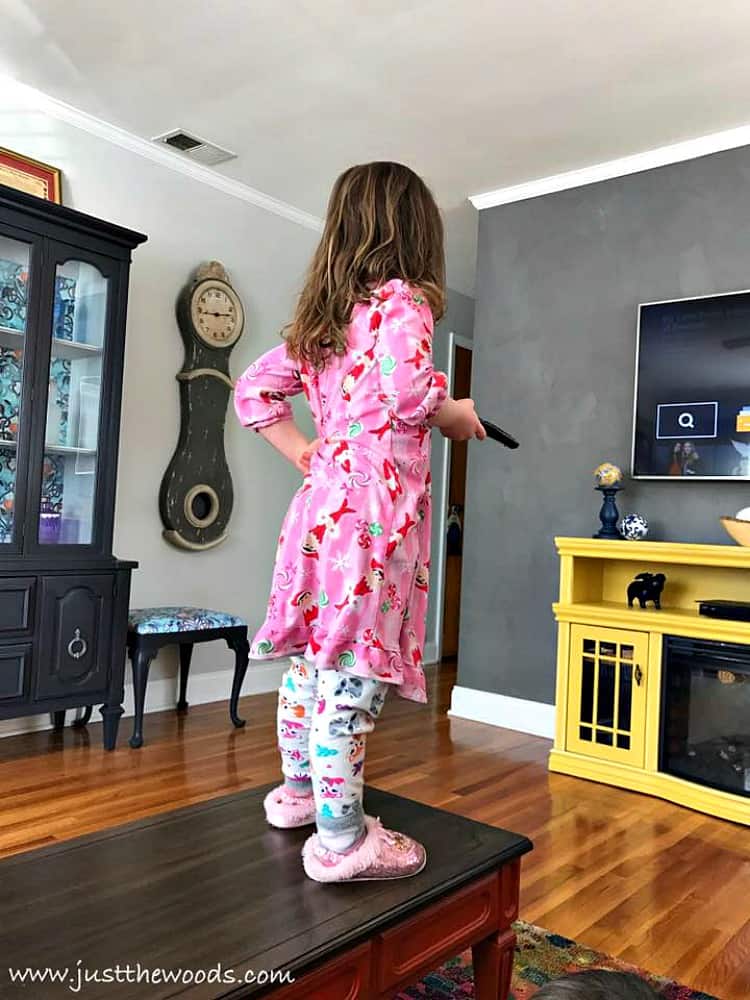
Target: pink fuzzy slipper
column 382, row 854
column 286, row 810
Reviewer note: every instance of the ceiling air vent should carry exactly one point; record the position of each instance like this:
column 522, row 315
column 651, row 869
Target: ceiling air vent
column 195, row 147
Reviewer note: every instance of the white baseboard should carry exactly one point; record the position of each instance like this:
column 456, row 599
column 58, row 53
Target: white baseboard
column 161, row 694
column 533, row 717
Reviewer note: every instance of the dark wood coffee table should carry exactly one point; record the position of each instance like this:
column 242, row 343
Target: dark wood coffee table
column 213, row 884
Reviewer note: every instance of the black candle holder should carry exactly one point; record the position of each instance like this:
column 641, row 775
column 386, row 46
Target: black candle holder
column 609, row 514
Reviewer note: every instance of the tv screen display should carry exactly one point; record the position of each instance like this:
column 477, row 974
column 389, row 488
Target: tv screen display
column 692, row 389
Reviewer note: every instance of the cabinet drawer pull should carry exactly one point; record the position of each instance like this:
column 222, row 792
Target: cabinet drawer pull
column 638, row 674
column 77, row 646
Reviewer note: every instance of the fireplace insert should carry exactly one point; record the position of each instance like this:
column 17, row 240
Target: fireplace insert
column 705, row 724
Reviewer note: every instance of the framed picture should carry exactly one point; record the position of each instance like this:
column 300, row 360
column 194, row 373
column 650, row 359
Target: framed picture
column 24, row 174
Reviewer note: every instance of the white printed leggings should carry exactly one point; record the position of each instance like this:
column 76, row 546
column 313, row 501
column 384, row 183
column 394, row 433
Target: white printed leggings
column 323, row 720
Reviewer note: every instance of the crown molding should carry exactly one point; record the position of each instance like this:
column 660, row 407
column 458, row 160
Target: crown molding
column 165, row 157
column 662, row 156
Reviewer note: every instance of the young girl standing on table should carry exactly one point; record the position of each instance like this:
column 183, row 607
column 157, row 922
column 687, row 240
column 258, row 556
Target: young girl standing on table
column 349, row 595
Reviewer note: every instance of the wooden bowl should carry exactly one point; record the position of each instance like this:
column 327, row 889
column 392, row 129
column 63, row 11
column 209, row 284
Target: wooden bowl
column 738, row 530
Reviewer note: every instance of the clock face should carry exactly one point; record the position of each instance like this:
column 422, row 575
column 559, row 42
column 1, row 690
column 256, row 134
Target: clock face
column 216, row 313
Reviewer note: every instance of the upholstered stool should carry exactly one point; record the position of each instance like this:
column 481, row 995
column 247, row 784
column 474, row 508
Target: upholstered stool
column 151, row 628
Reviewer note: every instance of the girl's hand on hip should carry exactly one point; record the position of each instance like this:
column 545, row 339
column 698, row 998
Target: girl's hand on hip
column 304, row 458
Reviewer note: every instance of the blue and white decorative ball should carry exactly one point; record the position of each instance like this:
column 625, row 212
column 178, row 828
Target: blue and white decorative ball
column 634, row 527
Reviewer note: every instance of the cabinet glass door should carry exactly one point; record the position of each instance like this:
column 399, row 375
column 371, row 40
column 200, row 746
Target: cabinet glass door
column 607, row 693
column 71, row 440
column 15, row 261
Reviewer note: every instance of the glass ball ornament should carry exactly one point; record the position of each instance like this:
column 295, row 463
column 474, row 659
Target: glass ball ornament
column 634, row 527
column 607, row 474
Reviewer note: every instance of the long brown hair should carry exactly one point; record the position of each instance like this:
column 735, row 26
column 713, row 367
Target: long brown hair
column 382, row 223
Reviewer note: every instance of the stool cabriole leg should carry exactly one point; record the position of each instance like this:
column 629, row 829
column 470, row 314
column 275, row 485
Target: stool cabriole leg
column 141, row 660
column 241, row 648
column 186, row 653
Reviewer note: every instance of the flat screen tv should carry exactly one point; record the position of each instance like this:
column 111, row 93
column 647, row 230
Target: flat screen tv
column 692, row 389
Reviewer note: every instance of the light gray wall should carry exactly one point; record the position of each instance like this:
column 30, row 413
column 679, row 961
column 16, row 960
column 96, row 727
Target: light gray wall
column 458, row 319
column 187, row 222
column 559, row 280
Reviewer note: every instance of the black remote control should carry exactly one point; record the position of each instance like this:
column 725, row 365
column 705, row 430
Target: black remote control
column 498, row 434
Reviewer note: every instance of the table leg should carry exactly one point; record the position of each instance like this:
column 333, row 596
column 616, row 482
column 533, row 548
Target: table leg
column 186, row 652
column 241, row 649
column 141, row 660
column 84, row 719
column 493, row 965
column 110, row 724
column 58, row 720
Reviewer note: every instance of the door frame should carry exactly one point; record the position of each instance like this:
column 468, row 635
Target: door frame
column 440, row 509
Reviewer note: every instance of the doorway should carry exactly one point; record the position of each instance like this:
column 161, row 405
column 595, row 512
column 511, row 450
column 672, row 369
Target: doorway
column 456, row 500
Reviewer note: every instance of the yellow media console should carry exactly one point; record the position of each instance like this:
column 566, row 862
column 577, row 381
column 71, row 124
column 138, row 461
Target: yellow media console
column 617, row 719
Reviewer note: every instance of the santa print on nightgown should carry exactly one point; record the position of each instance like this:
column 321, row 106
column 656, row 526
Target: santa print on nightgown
column 352, row 565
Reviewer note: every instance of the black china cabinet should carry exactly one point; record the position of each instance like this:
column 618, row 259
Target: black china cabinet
column 63, row 594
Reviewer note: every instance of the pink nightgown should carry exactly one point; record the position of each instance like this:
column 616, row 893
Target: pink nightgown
column 352, row 565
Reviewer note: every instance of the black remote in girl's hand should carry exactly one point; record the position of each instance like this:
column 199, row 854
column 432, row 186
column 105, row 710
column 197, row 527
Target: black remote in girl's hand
column 498, row 434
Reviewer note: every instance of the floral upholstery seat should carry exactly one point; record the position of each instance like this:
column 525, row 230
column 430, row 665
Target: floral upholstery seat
column 179, row 618
column 151, row 629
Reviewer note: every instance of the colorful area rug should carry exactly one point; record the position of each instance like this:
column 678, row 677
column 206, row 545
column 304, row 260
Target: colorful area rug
column 540, row 957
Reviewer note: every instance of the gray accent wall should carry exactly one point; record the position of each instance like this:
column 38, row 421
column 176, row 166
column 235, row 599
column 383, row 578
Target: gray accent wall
column 558, row 285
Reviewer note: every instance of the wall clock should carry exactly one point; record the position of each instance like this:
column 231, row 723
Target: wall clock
column 196, row 496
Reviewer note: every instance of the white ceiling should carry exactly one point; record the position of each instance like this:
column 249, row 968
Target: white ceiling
column 474, row 95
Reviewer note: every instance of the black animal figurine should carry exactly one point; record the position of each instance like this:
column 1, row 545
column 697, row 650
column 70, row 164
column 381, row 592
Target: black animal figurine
column 646, row 587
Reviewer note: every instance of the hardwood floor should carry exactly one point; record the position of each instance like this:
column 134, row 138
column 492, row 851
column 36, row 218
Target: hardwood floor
column 658, row 885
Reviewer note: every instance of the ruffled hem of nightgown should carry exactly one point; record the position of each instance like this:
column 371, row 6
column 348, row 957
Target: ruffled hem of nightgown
column 388, row 666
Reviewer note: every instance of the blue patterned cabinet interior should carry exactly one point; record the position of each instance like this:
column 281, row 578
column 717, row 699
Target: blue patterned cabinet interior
column 63, row 594
column 14, row 286
column 10, row 400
